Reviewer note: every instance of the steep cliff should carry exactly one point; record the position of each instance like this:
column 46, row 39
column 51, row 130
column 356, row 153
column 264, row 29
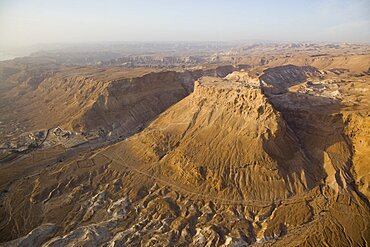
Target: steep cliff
column 125, row 106
column 113, row 101
column 225, row 165
column 215, row 139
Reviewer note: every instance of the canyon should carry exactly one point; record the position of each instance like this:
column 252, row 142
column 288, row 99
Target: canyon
column 263, row 145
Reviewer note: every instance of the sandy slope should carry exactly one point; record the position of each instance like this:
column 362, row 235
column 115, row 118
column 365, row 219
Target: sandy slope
column 268, row 156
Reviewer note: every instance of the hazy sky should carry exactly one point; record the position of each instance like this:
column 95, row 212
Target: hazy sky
column 27, row 22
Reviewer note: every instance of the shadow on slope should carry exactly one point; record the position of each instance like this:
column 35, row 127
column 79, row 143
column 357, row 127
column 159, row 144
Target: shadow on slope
column 318, row 124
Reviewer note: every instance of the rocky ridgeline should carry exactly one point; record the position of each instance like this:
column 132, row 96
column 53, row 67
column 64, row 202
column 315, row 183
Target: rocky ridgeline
column 240, row 160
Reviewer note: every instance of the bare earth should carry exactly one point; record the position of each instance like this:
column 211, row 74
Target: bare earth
column 263, row 145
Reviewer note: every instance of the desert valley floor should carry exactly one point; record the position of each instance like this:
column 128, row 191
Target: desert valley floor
column 264, row 145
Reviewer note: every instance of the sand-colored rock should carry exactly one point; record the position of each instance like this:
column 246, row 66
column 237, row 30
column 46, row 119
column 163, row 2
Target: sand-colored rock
column 265, row 156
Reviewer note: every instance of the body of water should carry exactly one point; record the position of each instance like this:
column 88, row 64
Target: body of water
column 5, row 56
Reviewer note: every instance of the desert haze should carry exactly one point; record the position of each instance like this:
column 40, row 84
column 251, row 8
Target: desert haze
column 185, row 143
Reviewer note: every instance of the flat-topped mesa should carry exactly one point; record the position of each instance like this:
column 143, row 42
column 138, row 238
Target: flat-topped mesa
column 126, row 105
column 233, row 81
column 223, row 140
column 240, row 97
column 236, row 96
column 246, row 77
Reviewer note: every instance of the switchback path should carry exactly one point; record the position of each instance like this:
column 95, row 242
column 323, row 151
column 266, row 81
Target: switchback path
column 225, row 201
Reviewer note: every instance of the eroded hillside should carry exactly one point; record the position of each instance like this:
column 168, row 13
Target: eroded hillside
column 233, row 163
column 264, row 155
column 91, row 104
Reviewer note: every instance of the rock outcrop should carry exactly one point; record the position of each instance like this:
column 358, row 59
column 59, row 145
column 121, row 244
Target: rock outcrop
column 114, row 103
column 214, row 140
column 261, row 157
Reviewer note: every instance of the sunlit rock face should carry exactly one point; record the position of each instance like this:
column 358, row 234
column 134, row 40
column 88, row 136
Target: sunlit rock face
column 266, row 155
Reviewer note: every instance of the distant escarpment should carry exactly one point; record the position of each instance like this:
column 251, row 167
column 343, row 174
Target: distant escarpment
column 125, row 106
column 277, row 79
column 112, row 102
column 230, row 164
